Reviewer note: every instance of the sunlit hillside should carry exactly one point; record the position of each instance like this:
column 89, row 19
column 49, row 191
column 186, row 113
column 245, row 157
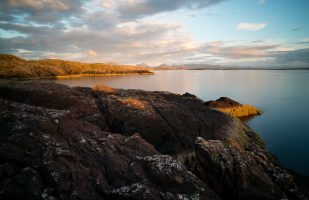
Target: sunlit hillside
column 15, row 67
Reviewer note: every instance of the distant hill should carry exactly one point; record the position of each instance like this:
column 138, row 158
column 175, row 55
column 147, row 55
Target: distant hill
column 220, row 67
column 14, row 67
column 190, row 67
column 166, row 67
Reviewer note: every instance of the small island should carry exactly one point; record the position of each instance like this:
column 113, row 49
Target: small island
column 232, row 107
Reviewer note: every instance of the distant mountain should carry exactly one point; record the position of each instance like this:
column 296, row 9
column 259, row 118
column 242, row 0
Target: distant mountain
column 166, row 67
column 219, row 67
column 14, row 67
column 190, row 67
column 202, row 67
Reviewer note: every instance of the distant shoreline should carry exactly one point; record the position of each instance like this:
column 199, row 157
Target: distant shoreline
column 234, row 69
column 77, row 76
column 16, row 68
column 109, row 74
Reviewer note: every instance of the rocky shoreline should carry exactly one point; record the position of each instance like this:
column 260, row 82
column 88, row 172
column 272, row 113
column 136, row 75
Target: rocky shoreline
column 58, row 142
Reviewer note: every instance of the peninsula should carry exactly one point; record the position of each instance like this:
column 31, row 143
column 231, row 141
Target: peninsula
column 14, row 67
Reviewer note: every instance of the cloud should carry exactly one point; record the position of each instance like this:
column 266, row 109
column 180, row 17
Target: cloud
column 250, row 26
column 121, row 31
column 258, row 41
column 39, row 11
column 146, row 40
column 140, row 8
column 126, row 42
column 303, row 42
column 91, row 53
column 297, row 29
column 40, row 5
column 305, row 39
column 107, row 4
column 239, row 51
column 295, row 58
column 261, row 1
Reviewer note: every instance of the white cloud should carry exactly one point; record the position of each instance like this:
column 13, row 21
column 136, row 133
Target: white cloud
column 250, row 26
column 132, row 9
column 305, row 39
column 240, row 51
column 107, row 4
column 262, row 1
column 91, row 53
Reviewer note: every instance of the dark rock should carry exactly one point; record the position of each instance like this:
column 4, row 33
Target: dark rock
column 58, row 142
column 222, row 102
column 232, row 107
column 236, row 174
column 189, row 95
column 7, row 169
column 166, row 120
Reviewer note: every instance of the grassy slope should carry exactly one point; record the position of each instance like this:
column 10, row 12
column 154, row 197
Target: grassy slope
column 14, row 67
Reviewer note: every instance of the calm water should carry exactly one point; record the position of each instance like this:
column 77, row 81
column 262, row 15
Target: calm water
column 282, row 95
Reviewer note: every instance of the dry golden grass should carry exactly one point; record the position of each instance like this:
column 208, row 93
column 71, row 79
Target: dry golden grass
column 136, row 103
column 14, row 67
column 241, row 111
column 103, row 88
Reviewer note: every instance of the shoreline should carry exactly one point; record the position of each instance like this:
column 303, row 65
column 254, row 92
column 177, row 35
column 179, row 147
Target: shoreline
column 100, row 75
column 75, row 76
column 233, row 69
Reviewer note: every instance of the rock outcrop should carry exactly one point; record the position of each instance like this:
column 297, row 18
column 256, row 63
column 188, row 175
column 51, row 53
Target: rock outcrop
column 58, row 142
column 232, row 107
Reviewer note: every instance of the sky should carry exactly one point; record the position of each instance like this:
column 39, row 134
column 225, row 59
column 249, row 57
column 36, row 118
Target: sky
column 251, row 33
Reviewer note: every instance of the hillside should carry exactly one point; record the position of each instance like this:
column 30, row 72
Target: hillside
column 14, row 67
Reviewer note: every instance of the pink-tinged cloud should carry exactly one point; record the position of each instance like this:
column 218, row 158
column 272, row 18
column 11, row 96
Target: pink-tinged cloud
column 91, row 53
